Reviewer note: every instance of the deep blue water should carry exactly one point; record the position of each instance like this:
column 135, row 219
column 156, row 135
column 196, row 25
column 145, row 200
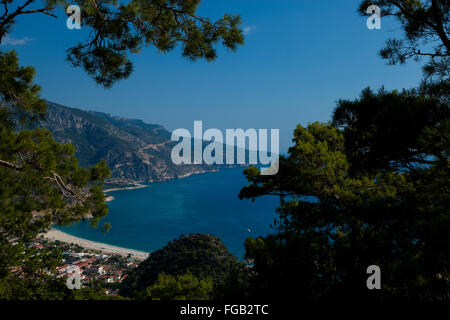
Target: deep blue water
column 146, row 219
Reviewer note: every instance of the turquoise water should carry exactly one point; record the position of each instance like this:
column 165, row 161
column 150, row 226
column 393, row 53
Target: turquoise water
column 146, row 219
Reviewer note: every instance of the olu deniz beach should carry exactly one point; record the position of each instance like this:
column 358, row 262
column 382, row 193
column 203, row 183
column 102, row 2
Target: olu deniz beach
column 54, row 234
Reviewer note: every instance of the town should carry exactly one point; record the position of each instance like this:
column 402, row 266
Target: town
column 94, row 265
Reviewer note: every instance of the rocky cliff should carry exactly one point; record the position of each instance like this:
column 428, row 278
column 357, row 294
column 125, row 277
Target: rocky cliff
column 135, row 151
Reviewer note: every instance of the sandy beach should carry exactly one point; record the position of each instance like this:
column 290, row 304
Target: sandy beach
column 138, row 186
column 110, row 198
column 54, row 234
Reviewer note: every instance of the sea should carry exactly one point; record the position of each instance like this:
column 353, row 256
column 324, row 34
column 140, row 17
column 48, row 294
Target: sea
column 147, row 219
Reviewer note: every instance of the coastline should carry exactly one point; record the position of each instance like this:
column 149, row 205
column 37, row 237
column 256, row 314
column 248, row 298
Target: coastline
column 54, row 234
column 137, row 186
column 140, row 186
column 195, row 172
column 109, row 198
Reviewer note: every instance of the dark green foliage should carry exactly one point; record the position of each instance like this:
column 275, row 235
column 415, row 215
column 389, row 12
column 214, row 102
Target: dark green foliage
column 41, row 288
column 390, row 130
column 125, row 28
column 120, row 28
column 365, row 194
column 426, row 24
column 181, row 287
column 235, row 285
column 94, row 291
column 203, row 255
column 370, row 188
column 40, row 180
column 40, row 184
column 17, row 87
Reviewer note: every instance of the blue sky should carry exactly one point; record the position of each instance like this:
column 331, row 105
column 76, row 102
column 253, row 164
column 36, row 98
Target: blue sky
column 299, row 58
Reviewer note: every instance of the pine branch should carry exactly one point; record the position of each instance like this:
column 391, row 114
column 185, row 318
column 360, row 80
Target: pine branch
column 43, row 10
column 10, row 165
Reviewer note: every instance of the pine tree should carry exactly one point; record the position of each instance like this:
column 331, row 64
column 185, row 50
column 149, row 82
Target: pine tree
column 370, row 187
column 426, row 27
column 119, row 29
column 40, row 181
column 360, row 192
column 40, row 184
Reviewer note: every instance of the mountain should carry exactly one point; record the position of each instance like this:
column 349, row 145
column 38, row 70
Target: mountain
column 134, row 150
column 203, row 255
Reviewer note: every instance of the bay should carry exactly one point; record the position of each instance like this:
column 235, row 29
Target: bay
column 146, row 219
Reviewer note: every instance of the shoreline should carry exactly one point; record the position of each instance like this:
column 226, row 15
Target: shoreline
column 194, row 173
column 140, row 185
column 137, row 186
column 149, row 183
column 109, row 198
column 54, row 234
